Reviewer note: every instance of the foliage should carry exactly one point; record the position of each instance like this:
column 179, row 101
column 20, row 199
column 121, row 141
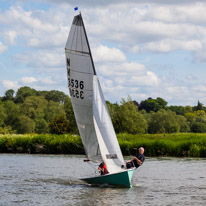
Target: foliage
column 12, row 111
column 153, row 104
column 163, row 122
column 2, row 115
column 72, row 127
column 198, row 127
column 131, row 120
column 41, row 108
column 178, row 145
column 25, row 124
column 180, row 110
column 182, row 121
column 54, row 95
column 9, row 95
column 24, row 92
column 59, row 125
column 7, row 130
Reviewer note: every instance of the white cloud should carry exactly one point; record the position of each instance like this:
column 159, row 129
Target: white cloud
column 10, row 36
column 10, row 84
column 36, row 38
column 168, row 45
column 122, row 69
column 106, row 54
column 27, row 80
column 42, row 59
column 2, row 47
column 47, row 81
column 148, row 79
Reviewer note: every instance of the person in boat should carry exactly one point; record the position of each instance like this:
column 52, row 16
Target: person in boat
column 103, row 169
column 137, row 160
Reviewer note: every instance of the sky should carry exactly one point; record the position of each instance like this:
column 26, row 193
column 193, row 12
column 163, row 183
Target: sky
column 141, row 49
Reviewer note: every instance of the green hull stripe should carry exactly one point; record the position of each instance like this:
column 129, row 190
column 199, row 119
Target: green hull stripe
column 119, row 179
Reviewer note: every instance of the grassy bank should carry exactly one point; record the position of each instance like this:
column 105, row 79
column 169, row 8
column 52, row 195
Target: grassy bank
column 178, row 145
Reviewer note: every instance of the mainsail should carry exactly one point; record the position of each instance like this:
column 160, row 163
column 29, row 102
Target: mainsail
column 91, row 113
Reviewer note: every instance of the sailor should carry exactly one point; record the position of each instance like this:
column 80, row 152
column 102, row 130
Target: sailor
column 103, row 169
column 137, row 160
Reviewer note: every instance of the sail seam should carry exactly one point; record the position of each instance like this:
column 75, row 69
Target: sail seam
column 81, row 105
column 81, row 73
column 82, row 52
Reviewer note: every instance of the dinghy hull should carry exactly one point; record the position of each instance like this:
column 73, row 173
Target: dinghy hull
column 122, row 179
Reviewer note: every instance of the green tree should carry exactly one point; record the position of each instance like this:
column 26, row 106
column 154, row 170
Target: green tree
column 72, row 127
column 131, row 120
column 198, row 107
column 54, row 95
column 23, row 93
column 2, row 115
column 180, row 110
column 153, row 104
column 59, row 125
column 9, row 95
column 163, row 122
column 184, row 126
column 161, row 102
column 191, row 117
column 34, row 107
column 25, row 124
column 114, row 111
column 198, row 127
column 41, row 126
column 13, row 112
column 188, row 109
column 53, row 109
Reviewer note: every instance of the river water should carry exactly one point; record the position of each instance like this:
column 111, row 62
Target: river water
column 54, row 180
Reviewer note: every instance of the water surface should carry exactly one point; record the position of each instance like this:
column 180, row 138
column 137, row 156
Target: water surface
column 54, row 180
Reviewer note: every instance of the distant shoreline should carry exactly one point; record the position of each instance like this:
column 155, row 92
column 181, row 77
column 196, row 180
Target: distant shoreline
column 156, row 145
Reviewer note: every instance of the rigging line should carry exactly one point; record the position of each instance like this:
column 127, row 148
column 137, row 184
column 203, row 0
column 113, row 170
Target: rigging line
column 81, row 39
column 94, row 167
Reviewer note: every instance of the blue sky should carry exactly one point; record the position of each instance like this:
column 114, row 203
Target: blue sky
column 142, row 49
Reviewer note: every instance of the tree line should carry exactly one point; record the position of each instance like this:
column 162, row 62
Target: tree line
column 32, row 111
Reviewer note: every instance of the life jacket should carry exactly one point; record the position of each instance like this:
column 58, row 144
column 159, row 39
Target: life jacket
column 104, row 170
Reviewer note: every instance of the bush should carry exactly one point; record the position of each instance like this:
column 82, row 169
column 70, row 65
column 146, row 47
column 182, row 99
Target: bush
column 198, row 127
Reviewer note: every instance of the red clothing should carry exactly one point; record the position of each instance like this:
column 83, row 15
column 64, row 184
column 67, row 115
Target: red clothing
column 104, row 170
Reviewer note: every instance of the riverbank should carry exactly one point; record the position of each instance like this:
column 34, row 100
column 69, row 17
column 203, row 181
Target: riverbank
column 174, row 145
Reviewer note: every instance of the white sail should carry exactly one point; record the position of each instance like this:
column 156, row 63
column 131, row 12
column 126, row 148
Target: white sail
column 80, row 71
column 91, row 113
column 109, row 146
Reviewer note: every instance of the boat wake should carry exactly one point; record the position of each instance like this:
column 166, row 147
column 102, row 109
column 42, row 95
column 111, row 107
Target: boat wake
column 136, row 185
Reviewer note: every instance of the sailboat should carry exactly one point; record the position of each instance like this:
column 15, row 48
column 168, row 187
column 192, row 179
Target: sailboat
column 90, row 109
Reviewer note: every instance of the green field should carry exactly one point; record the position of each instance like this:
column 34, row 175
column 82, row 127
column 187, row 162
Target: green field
column 176, row 145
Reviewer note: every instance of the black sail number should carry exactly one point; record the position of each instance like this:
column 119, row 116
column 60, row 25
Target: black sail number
column 76, row 93
column 76, row 88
